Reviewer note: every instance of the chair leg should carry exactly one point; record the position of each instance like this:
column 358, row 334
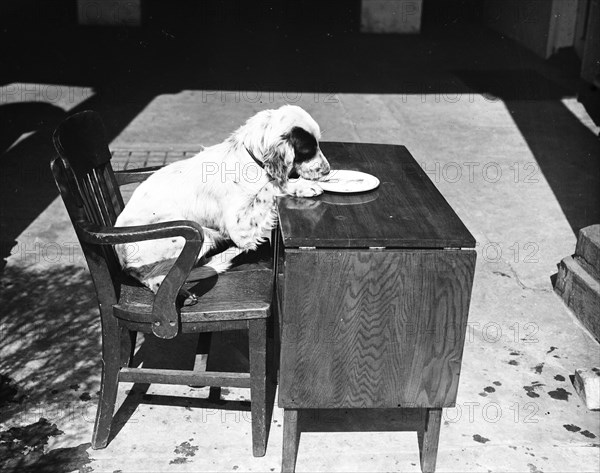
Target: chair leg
column 128, row 339
column 111, row 364
column 201, row 363
column 202, row 351
column 257, row 335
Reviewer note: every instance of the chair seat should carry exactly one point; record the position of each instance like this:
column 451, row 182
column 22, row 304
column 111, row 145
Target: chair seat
column 241, row 293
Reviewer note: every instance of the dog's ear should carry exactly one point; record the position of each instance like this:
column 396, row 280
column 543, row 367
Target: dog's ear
column 278, row 159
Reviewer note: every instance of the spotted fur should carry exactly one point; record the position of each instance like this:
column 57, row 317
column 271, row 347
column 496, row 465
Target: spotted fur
column 225, row 191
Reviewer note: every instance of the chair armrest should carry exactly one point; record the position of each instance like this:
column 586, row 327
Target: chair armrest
column 135, row 175
column 99, row 235
column 165, row 316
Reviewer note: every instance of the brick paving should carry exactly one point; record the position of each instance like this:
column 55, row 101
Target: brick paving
column 123, row 159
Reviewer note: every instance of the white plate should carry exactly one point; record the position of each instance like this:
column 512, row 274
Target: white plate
column 346, row 181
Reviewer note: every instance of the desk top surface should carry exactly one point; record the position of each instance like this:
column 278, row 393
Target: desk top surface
column 405, row 211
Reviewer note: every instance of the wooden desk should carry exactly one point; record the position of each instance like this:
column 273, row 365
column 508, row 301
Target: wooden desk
column 373, row 292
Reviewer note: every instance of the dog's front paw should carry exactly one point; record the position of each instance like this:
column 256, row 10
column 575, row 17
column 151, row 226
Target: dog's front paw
column 310, row 190
column 302, row 204
column 304, row 188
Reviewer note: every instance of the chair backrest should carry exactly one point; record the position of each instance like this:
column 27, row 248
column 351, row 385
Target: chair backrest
column 87, row 184
column 82, row 145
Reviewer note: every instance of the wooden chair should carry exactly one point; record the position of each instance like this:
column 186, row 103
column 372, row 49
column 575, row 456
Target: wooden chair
column 237, row 299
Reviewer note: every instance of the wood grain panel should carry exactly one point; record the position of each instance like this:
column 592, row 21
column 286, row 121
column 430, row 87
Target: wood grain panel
column 367, row 328
column 405, row 211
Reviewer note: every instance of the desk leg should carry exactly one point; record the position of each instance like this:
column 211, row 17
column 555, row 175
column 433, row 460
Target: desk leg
column 430, row 438
column 291, row 437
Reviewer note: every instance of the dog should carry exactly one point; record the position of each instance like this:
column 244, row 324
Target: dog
column 230, row 189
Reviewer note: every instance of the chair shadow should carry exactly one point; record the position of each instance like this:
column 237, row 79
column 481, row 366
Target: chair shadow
column 27, row 184
column 17, row 119
column 228, row 351
column 138, row 394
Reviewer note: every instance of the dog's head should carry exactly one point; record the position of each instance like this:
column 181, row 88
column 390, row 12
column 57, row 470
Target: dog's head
column 288, row 141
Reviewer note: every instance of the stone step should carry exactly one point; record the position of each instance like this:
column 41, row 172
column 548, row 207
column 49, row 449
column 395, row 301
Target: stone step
column 588, row 247
column 587, row 385
column 578, row 279
column 580, row 290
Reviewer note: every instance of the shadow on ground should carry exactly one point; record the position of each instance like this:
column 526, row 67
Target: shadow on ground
column 49, row 369
column 565, row 150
